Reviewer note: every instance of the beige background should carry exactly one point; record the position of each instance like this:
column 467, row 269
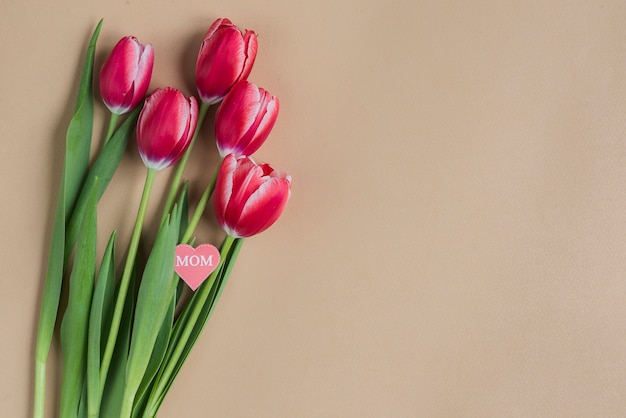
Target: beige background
column 455, row 242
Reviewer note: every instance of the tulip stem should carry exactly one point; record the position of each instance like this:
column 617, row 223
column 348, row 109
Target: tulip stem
column 180, row 167
column 40, row 388
column 124, row 281
column 193, row 223
column 201, row 298
column 112, row 125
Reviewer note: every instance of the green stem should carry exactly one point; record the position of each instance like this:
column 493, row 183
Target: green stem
column 112, row 125
column 193, row 223
column 40, row 388
column 202, row 296
column 180, row 167
column 124, row 281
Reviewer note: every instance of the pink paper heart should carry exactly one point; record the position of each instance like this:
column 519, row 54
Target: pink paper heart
column 194, row 265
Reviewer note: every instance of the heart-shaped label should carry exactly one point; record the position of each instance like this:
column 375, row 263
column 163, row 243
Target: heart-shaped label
column 194, row 265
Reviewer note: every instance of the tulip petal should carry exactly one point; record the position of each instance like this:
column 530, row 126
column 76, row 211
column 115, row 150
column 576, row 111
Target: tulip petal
column 116, row 79
column 252, row 103
column 252, row 45
column 236, row 116
column 245, row 119
column 262, row 125
column 144, row 74
column 264, row 206
column 247, row 179
column 216, row 25
column 223, row 69
column 224, row 187
column 181, row 146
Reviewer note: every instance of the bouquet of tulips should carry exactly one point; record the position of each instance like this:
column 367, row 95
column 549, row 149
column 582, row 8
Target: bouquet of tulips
column 126, row 332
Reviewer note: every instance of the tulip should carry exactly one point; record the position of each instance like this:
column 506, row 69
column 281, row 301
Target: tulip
column 226, row 56
column 165, row 127
column 244, row 119
column 125, row 75
column 249, row 197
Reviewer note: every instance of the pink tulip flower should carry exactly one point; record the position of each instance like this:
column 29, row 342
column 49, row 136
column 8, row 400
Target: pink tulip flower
column 125, row 75
column 249, row 197
column 165, row 127
column 244, row 119
column 226, row 56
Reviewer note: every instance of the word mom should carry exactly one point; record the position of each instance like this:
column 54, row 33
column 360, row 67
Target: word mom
column 195, row 265
column 194, row 261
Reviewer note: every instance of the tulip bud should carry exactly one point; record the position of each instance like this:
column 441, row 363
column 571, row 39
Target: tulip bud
column 249, row 197
column 226, row 56
column 244, row 119
column 125, row 75
column 165, row 127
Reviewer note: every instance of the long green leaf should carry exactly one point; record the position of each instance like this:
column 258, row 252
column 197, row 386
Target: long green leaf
column 105, row 286
column 113, row 390
column 78, row 140
column 158, row 353
column 82, row 405
column 155, row 294
column 78, row 137
column 51, row 295
column 74, row 326
column 207, row 309
column 103, row 168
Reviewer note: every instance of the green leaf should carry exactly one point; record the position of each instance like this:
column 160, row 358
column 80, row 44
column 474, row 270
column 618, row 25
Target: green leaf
column 103, row 168
column 78, row 140
column 156, row 291
column 113, row 392
column 100, row 304
column 82, row 405
column 217, row 287
column 156, row 359
column 74, row 326
column 52, row 286
column 78, row 137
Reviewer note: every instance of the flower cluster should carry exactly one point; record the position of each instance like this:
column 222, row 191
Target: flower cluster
column 128, row 320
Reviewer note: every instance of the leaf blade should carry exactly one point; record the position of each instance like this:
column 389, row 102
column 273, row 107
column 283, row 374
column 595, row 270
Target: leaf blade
column 54, row 270
column 104, row 286
column 155, row 292
column 103, row 168
column 79, row 131
column 74, row 327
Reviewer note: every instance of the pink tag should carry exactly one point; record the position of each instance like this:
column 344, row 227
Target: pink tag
column 194, row 265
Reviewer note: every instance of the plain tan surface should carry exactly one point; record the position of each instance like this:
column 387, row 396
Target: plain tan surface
column 455, row 242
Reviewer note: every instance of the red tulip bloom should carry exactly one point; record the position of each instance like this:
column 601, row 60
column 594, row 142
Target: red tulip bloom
column 226, row 56
column 165, row 127
column 125, row 75
column 245, row 119
column 249, row 197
